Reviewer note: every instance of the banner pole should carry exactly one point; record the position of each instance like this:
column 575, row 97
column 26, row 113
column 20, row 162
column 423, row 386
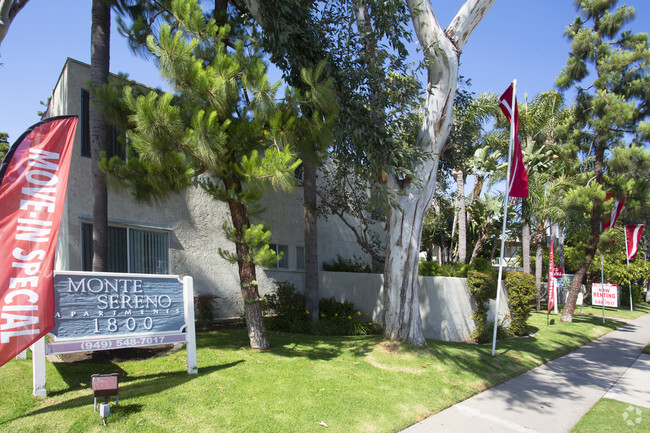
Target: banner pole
column 602, row 283
column 627, row 257
column 505, row 213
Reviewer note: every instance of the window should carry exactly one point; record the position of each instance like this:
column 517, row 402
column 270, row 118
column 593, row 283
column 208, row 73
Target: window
column 114, row 146
column 299, row 173
column 284, row 250
column 300, row 258
column 130, row 250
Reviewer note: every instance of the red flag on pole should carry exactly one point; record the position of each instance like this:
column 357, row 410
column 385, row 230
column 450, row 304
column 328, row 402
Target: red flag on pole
column 33, row 182
column 633, row 234
column 610, row 219
column 551, row 281
column 518, row 181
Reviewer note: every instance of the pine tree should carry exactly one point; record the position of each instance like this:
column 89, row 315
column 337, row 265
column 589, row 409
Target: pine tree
column 611, row 109
column 222, row 127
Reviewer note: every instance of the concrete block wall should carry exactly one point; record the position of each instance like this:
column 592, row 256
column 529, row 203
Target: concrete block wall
column 445, row 302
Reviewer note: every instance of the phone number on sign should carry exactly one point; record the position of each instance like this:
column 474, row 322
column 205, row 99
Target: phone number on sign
column 121, row 342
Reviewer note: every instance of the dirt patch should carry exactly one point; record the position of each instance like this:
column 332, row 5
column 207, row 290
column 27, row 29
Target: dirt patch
column 117, row 355
column 391, row 346
column 372, row 361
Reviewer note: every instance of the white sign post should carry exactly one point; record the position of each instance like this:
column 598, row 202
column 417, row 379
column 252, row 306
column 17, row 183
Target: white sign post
column 102, row 311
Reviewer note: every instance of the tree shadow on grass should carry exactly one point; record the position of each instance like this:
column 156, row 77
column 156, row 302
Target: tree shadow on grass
column 128, row 387
column 320, row 348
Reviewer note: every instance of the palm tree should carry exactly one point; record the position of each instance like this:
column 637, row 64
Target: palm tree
column 537, row 122
column 100, row 34
column 467, row 134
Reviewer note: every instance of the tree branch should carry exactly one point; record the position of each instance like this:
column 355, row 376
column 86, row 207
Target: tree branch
column 466, row 20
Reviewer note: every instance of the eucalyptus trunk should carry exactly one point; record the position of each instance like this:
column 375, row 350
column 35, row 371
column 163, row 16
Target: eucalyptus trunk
column 100, row 34
column 540, row 241
column 247, row 276
column 311, row 240
column 442, row 49
column 461, row 211
column 560, row 248
column 8, row 11
column 525, row 235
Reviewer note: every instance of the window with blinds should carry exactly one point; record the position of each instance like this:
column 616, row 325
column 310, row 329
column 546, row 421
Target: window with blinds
column 130, row 250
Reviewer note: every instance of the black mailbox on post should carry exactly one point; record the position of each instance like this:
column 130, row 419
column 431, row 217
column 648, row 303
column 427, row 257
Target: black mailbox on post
column 104, row 385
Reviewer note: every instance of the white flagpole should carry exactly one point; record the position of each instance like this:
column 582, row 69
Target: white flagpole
column 602, row 282
column 505, row 212
column 627, row 256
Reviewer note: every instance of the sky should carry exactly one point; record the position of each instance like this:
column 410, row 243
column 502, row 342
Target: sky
column 518, row 39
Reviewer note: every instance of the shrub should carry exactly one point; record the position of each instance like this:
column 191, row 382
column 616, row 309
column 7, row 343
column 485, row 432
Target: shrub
column 353, row 264
column 286, row 307
column 454, row 269
column 482, row 264
column 521, row 299
column 637, row 294
column 336, row 318
column 483, row 287
column 429, row 269
column 204, row 305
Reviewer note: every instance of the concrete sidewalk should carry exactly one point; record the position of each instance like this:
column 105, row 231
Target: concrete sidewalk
column 554, row 396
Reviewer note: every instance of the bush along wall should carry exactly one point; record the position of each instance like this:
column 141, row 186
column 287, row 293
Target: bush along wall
column 521, row 300
column 353, row 264
column 204, row 307
column 285, row 310
column 483, row 287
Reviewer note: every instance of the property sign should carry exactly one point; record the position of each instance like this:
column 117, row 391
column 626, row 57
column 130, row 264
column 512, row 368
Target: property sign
column 116, row 305
column 611, row 294
column 101, row 310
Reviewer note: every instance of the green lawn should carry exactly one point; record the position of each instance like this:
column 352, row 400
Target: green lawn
column 613, row 416
column 352, row 384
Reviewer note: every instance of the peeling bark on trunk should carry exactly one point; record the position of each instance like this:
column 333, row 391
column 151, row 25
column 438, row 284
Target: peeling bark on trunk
column 525, row 236
column 99, row 67
column 8, row 11
column 540, row 240
column 485, row 236
column 402, row 319
column 442, row 49
column 247, row 277
column 461, row 211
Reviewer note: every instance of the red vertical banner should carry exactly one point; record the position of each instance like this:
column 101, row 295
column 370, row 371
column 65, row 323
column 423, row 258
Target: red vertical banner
column 551, row 281
column 633, row 233
column 518, row 181
column 610, row 219
column 33, row 182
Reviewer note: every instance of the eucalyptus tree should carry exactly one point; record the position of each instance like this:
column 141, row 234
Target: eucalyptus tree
column 223, row 127
column 376, row 120
column 441, row 49
column 611, row 111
